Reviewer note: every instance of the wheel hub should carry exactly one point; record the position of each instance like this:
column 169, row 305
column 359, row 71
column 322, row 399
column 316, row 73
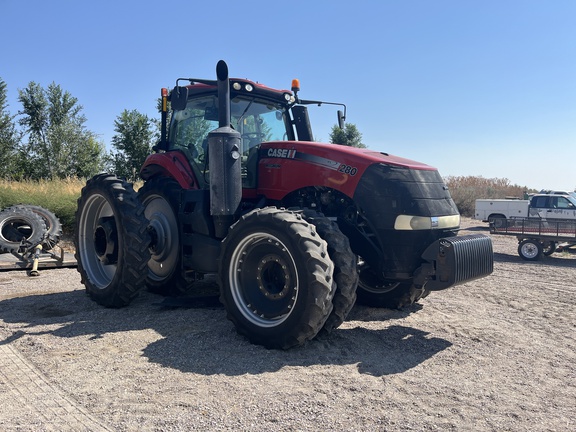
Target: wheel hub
column 529, row 250
column 264, row 280
column 159, row 244
column 106, row 240
column 273, row 279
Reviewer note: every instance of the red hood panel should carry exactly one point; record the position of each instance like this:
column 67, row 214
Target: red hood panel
column 286, row 166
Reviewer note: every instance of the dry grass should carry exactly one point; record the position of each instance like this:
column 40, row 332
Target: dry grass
column 58, row 196
column 465, row 190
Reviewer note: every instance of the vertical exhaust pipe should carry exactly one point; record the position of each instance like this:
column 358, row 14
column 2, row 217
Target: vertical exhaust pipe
column 224, row 161
column 223, row 94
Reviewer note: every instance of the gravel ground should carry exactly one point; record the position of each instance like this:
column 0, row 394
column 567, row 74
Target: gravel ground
column 494, row 354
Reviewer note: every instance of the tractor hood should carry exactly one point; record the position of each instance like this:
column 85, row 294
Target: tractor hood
column 290, row 165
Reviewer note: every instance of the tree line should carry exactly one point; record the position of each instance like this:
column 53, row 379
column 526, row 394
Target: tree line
column 48, row 138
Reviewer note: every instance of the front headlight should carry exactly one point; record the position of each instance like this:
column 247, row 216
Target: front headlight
column 416, row 223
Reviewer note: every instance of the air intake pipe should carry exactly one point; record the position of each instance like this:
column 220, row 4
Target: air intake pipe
column 224, row 161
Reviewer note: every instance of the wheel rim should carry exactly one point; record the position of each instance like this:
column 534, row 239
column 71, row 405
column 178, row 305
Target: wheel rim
column 529, row 250
column 98, row 241
column 372, row 283
column 263, row 279
column 164, row 249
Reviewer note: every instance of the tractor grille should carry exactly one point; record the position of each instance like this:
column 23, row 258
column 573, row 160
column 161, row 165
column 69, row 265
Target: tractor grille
column 459, row 259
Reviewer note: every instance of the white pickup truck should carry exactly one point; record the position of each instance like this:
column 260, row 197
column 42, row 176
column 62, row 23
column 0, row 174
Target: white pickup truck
column 542, row 206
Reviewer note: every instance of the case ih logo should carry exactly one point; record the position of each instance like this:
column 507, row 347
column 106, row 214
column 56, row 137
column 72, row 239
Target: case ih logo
column 282, row 153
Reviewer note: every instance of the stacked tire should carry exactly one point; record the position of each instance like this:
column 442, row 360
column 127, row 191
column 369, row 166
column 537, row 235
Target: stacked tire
column 25, row 225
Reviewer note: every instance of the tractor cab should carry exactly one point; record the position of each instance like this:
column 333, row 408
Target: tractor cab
column 257, row 121
column 258, row 113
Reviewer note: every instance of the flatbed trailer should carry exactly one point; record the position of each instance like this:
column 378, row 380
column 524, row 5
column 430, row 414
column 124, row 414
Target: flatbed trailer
column 537, row 236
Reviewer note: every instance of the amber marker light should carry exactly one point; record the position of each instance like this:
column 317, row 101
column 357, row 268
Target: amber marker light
column 164, row 98
column 296, row 85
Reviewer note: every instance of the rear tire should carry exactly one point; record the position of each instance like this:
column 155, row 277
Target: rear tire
column 498, row 221
column 160, row 197
column 17, row 224
column 276, row 278
column 111, row 241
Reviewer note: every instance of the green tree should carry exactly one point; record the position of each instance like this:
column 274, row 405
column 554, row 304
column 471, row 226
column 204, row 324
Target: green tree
column 133, row 141
column 58, row 144
column 9, row 136
column 349, row 136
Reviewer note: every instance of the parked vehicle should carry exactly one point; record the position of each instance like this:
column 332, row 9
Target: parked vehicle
column 536, row 236
column 542, row 206
column 558, row 192
column 295, row 230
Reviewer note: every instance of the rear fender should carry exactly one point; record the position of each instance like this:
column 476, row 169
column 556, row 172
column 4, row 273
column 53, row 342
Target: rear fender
column 172, row 164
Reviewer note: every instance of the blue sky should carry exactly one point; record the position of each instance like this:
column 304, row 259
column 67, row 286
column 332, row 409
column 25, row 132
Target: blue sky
column 484, row 88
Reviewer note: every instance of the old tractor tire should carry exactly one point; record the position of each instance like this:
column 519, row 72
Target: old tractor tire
column 17, row 224
column 373, row 291
column 111, row 240
column 276, row 278
column 530, row 250
column 53, row 224
column 345, row 271
column 160, row 197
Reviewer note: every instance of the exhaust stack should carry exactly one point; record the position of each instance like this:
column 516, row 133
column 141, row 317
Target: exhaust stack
column 224, row 161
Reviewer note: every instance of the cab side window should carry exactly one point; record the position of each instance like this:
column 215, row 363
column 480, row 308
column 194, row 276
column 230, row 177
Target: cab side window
column 563, row 203
column 539, row 202
column 190, row 127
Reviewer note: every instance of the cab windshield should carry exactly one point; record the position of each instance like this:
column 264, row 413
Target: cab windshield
column 256, row 120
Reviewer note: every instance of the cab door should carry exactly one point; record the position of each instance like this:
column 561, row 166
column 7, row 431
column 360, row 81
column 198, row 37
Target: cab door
column 564, row 208
column 558, row 207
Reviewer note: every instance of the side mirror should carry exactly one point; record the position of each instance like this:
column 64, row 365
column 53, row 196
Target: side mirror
column 341, row 119
column 179, row 98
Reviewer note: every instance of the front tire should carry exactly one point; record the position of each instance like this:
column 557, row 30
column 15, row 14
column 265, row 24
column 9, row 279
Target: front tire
column 374, row 291
column 111, row 241
column 276, row 278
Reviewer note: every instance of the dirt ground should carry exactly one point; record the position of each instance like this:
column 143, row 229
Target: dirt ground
column 494, row 354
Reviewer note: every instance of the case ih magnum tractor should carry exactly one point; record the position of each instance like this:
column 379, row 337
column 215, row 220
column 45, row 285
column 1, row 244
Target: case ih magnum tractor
column 295, row 230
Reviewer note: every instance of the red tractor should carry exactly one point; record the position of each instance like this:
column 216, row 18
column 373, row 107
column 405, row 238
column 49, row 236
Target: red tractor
column 296, row 231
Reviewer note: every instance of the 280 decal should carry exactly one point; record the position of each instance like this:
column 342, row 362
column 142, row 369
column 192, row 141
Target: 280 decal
column 347, row 169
